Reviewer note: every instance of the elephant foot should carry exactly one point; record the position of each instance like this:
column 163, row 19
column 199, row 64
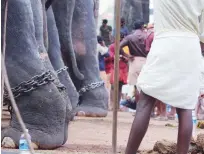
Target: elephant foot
column 89, row 111
column 73, row 114
column 10, row 139
column 94, row 103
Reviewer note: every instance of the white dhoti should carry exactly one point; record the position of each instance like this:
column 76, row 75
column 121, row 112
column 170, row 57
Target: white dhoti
column 135, row 68
column 172, row 70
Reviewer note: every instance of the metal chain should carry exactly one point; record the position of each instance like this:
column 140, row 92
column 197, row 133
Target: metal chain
column 61, row 69
column 61, row 87
column 32, row 84
column 90, row 86
column 28, row 86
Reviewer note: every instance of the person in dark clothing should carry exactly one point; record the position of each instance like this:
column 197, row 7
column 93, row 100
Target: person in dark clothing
column 137, row 57
column 130, row 102
column 123, row 28
column 105, row 32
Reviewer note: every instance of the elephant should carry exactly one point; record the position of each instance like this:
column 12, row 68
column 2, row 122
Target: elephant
column 132, row 10
column 81, row 43
column 51, row 61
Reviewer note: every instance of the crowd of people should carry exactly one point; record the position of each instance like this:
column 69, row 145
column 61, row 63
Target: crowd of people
column 134, row 48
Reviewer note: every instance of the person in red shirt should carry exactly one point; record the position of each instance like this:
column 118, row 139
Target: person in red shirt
column 123, row 70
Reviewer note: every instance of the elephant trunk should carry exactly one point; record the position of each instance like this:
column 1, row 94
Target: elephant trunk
column 63, row 11
column 70, row 44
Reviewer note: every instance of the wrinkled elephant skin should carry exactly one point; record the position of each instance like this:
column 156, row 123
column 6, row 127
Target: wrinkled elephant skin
column 54, row 52
column 44, row 109
column 80, row 14
column 94, row 102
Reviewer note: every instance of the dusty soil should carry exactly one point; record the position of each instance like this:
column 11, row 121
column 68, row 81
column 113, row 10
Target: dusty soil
column 94, row 135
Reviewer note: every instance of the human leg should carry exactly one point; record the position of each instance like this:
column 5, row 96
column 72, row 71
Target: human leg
column 109, row 91
column 120, row 93
column 157, row 105
column 185, row 130
column 140, row 123
column 111, row 97
column 162, row 111
column 171, row 114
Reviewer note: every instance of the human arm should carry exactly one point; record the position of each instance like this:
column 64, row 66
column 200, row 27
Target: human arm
column 110, row 29
column 101, row 29
column 102, row 49
column 148, row 42
column 123, row 43
column 106, row 55
column 110, row 33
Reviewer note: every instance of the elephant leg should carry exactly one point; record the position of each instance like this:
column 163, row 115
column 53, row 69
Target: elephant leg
column 133, row 10
column 41, row 34
column 94, row 102
column 43, row 110
column 125, row 11
column 54, row 53
column 145, row 9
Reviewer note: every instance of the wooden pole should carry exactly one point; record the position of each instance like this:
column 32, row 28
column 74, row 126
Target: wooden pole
column 116, row 76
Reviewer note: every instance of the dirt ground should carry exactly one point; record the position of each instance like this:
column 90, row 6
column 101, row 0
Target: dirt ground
column 94, row 135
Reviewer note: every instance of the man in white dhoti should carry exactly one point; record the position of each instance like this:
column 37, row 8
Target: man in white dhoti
column 172, row 70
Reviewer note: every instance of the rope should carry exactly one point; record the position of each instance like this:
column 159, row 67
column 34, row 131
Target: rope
column 3, row 52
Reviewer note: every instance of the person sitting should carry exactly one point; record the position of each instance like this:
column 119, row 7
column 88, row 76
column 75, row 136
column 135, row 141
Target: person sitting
column 130, row 101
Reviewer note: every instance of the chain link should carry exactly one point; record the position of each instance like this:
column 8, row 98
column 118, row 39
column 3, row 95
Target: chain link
column 28, row 86
column 61, row 87
column 61, row 69
column 40, row 80
column 90, row 86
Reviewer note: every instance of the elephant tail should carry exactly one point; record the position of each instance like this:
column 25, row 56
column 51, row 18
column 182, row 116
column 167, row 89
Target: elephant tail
column 72, row 55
